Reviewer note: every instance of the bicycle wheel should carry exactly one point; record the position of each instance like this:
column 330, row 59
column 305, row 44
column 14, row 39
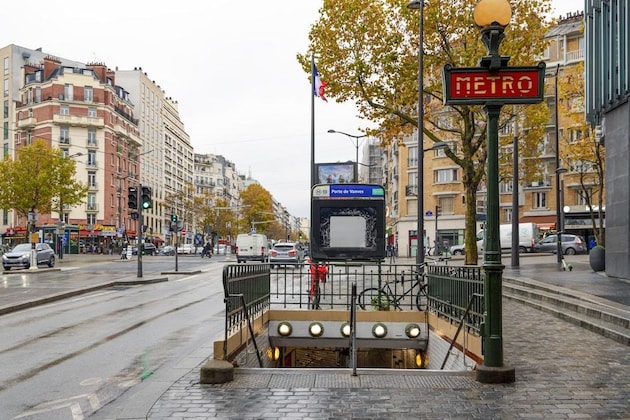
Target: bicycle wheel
column 315, row 298
column 422, row 299
column 369, row 298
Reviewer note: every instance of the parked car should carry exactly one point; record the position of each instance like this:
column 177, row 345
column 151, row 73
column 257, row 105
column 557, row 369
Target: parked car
column 20, row 256
column 167, row 250
column 571, row 244
column 149, row 249
column 285, row 253
column 458, row 249
column 188, row 249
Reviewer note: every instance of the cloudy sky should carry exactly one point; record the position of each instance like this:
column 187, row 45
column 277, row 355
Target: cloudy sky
column 231, row 65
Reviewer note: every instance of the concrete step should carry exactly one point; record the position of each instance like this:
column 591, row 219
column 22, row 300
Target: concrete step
column 595, row 314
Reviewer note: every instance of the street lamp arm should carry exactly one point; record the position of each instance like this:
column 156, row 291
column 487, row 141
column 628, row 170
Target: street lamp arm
column 346, row 134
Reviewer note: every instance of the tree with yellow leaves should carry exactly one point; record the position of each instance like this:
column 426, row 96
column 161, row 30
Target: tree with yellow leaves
column 367, row 51
column 40, row 179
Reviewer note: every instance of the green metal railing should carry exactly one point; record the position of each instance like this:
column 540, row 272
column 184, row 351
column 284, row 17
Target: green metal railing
column 449, row 292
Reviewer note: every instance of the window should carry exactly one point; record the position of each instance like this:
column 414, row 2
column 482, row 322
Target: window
column 91, row 137
column 6, row 109
column 91, row 201
column 64, row 134
column 5, row 134
column 507, row 215
column 92, row 179
column 68, row 92
column 6, row 87
column 91, row 112
column 6, row 67
column 38, row 95
column 412, row 159
column 505, row 187
column 446, row 205
column 89, row 94
column 64, row 110
column 91, row 219
column 539, row 200
column 582, row 196
column 444, row 175
column 91, row 161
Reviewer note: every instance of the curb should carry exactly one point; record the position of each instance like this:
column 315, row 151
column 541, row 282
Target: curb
column 76, row 292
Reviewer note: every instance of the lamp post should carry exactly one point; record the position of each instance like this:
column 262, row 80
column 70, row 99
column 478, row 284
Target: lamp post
column 419, row 5
column 492, row 16
column 356, row 145
column 559, row 215
column 558, row 170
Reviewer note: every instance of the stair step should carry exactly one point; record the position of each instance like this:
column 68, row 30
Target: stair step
column 598, row 315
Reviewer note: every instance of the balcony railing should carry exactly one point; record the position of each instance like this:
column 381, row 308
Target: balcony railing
column 91, row 207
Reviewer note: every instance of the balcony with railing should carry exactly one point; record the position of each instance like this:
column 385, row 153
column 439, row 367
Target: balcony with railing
column 78, row 121
column 91, row 207
column 27, row 123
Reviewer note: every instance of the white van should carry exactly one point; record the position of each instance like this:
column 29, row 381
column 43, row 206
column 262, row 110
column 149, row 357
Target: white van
column 252, row 247
column 527, row 237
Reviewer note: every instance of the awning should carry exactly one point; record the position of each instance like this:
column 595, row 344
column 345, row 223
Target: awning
column 542, row 222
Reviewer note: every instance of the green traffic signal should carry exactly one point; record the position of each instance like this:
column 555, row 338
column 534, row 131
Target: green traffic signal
column 146, row 200
column 173, row 217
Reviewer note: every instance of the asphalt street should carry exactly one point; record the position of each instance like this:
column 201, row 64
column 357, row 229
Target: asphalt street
column 563, row 371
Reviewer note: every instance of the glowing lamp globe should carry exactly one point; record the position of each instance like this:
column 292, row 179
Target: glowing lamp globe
column 488, row 12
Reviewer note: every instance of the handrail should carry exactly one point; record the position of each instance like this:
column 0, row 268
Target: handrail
column 353, row 329
column 249, row 327
column 459, row 327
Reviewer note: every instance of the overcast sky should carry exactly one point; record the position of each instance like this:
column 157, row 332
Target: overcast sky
column 231, row 65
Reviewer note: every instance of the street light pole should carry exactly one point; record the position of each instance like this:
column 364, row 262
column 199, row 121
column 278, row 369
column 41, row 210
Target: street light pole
column 419, row 5
column 558, row 171
column 356, row 145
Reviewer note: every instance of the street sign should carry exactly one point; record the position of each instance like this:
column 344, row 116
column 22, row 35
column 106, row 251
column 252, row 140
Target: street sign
column 429, row 213
column 507, row 85
column 253, row 230
column 183, row 232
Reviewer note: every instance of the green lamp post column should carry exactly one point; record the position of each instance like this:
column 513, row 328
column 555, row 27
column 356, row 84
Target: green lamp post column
column 492, row 16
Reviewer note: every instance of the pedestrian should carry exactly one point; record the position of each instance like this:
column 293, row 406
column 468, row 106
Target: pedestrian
column 206, row 250
column 591, row 243
column 123, row 252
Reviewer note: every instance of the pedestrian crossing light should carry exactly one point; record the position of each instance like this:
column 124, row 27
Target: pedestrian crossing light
column 132, row 198
column 146, row 200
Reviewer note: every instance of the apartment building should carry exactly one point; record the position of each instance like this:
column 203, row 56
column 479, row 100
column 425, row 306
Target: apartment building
column 83, row 112
column 167, row 156
column 13, row 59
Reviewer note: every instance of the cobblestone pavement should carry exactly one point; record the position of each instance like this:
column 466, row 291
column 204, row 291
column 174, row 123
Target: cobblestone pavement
column 562, row 372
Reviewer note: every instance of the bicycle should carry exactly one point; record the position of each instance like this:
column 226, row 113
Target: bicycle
column 318, row 274
column 387, row 297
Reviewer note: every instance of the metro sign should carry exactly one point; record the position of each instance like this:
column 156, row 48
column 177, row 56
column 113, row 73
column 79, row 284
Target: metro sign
column 507, row 85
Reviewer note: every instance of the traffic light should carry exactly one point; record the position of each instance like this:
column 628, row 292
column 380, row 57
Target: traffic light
column 173, row 217
column 146, row 200
column 438, row 210
column 132, row 198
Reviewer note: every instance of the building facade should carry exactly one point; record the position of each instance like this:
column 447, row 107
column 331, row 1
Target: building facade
column 83, row 112
column 608, row 109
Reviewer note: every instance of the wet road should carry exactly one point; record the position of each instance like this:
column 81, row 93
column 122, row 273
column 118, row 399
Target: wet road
column 66, row 360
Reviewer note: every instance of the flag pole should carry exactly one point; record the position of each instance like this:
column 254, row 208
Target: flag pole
column 313, row 176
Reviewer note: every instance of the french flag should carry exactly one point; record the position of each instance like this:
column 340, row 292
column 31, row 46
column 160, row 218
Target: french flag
column 319, row 86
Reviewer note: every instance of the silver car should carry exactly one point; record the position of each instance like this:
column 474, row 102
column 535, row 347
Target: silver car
column 285, row 253
column 20, row 256
column 571, row 244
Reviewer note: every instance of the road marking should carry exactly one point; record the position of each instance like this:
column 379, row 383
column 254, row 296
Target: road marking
column 71, row 403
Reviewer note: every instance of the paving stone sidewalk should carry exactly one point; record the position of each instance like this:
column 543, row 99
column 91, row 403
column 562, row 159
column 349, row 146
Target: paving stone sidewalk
column 562, row 372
